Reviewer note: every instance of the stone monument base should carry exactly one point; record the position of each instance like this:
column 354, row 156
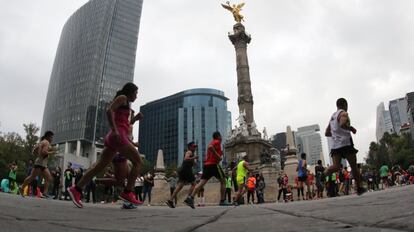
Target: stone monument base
column 253, row 146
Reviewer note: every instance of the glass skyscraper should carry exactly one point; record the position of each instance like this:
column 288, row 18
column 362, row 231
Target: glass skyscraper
column 398, row 113
column 172, row 122
column 95, row 58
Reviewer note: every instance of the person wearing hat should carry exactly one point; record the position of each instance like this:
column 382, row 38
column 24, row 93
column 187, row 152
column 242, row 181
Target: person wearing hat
column 185, row 173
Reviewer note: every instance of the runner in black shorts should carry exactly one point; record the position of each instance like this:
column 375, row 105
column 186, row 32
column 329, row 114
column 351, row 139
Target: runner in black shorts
column 185, row 173
column 211, row 168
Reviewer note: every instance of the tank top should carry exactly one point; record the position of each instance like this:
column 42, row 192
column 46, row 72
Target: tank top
column 188, row 164
column 241, row 170
column 340, row 136
column 301, row 170
column 121, row 117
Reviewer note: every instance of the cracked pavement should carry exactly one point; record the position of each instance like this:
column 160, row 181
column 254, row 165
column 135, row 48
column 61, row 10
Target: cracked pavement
column 387, row 210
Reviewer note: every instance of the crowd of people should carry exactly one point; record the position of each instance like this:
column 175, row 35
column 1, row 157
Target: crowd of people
column 122, row 179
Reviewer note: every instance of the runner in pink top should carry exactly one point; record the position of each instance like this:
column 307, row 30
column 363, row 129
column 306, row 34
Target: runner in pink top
column 116, row 142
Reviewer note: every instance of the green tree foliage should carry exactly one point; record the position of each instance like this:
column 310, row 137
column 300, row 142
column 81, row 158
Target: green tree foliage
column 392, row 150
column 13, row 148
column 170, row 169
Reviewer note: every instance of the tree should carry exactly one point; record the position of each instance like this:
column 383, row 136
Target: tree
column 31, row 138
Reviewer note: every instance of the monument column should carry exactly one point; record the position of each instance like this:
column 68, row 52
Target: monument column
column 240, row 39
column 291, row 162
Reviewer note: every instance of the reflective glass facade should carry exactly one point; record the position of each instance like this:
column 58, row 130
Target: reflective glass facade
column 95, row 58
column 172, row 122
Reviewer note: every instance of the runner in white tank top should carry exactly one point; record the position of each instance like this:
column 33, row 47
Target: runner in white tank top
column 339, row 130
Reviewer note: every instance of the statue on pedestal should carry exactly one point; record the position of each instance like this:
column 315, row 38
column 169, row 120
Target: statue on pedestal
column 235, row 10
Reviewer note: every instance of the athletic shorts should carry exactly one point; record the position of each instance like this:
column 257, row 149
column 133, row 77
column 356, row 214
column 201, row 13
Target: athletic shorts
column 186, row 176
column 344, row 151
column 241, row 180
column 212, row 170
column 112, row 143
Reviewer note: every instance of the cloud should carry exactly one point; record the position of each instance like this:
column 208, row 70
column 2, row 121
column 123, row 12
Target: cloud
column 303, row 56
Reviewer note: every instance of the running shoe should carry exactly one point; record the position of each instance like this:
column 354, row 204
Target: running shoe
column 170, row 204
column 75, row 196
column 224, row 203
column 190, row 202
column 130, row 197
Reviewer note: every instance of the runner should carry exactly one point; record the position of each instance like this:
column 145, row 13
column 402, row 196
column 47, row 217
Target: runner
column 211, row 168
column 340, row 129
column 241, row 169
column 116, row 141
column 302, row 175
column 43, row 151
column 185, row 173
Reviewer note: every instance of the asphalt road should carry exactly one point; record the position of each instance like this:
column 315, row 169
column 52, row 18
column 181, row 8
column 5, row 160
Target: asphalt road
column 387, row 210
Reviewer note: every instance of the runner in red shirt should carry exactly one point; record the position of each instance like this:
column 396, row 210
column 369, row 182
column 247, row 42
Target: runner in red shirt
column 211, row 168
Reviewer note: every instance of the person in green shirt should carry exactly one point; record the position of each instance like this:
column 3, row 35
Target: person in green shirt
column 242, row 169
column 384, row 175
column 228, row 187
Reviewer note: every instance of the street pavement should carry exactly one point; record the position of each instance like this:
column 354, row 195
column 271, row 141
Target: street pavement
column 386, row 210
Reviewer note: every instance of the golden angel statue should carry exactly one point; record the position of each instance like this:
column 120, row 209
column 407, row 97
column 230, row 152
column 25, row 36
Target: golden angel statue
column 235, row 10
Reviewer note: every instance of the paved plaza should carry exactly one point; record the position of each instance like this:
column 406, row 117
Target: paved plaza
column 387, row 210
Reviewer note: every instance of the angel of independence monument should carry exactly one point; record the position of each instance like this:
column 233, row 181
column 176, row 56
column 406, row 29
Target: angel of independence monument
column 245, row 137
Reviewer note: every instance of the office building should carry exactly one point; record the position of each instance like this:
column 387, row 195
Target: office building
column 309, row 141
column 95, row 58
column 398, row 113
column 384, row 123
column 172, row 122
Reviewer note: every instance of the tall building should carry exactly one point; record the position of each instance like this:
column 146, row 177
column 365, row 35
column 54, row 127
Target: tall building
column 409, row 97
column 95, row 58
column 398, row 113
column 172, row 122
column 309, row 141
column 384, row 123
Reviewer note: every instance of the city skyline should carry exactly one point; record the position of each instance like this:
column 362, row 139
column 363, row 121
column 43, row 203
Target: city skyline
column 299, row 53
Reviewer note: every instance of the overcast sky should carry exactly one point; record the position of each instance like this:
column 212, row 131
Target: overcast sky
column 303, row 55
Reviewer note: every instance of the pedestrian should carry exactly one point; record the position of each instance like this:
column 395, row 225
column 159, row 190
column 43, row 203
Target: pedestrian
column 261, row 185
column 320, row 179
column 242, row 169
column 251, row 187
column 57, row 173
column 384, row 175
column 339, row 129
column 148, row 184
column 282, row 186
column 13, row 177
column 40, row 165
column 172, row 181
column 139, row 184
column 91, row 189
column 211, row 168
column 116, row 141
column 302, row 174
column 185, row 174
column 68, row 176
column 229, row 184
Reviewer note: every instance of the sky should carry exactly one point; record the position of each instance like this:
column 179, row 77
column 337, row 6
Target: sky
column 304, row 54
